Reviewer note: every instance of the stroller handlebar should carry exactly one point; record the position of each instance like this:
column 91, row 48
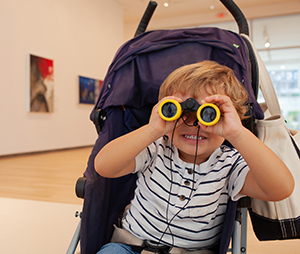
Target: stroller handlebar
column 229, row 4
column 146, row 18
column 238, row 16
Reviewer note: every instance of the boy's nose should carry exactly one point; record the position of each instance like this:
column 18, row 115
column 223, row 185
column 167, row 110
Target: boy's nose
column 190, row 118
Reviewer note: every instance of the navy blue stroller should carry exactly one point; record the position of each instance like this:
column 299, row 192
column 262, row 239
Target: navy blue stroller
column 130, row 90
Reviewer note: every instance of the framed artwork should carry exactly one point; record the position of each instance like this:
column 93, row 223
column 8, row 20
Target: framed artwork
column 89, row 90
column 41, row 84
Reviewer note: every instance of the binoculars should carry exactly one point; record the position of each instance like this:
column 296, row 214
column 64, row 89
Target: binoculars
column 208, row 114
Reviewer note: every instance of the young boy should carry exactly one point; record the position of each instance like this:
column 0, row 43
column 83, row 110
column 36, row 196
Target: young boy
column 186, row 172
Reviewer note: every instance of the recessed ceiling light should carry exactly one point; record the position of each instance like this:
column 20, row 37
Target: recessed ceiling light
column 267, row 44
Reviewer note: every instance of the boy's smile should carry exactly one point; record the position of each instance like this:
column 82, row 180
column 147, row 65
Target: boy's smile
column 187, row 135
column 193, row 137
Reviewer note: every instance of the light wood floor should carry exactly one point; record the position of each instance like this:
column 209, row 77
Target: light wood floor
column 47, row 176
column 52, row 176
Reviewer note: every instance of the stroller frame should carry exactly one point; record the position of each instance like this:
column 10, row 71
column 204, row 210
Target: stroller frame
column 239, row 236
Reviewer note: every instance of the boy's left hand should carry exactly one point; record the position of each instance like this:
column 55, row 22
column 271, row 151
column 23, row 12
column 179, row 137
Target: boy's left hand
column 229, row 123
column 261, row 182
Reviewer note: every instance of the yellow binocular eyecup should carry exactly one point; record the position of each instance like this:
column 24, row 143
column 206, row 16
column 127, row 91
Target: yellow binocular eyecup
column 208, row 114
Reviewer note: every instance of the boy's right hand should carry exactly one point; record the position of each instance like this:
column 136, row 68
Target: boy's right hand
column 117, row 158
column 159, row 126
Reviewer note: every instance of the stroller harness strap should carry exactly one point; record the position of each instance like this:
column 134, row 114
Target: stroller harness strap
column 121, row 235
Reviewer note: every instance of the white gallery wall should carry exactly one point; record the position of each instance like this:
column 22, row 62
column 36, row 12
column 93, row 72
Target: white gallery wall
column 81, row 37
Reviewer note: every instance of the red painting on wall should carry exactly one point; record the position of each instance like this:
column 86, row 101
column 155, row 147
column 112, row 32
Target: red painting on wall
column 41, row 84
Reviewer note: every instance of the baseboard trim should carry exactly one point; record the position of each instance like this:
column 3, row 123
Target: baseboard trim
column 44, row 151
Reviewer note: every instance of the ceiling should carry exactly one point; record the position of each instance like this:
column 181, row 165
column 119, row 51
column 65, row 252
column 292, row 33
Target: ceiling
column 191, row 13
column 184, row 13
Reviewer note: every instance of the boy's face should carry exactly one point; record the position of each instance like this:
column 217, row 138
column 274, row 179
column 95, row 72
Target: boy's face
column 185, row 136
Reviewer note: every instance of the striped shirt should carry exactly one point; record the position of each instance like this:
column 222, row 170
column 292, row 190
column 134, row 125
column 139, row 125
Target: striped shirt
column 179, row 206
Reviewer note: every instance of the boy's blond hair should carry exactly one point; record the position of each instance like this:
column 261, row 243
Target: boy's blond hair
column 208, row 75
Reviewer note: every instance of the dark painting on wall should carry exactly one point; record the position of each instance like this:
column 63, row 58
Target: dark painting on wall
column 89, row 90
